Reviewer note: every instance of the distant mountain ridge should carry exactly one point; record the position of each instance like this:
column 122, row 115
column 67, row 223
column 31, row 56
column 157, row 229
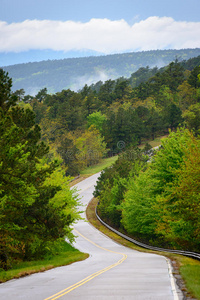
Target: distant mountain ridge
column 74, row 73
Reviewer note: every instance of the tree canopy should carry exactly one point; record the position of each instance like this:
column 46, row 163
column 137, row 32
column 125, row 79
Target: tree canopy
column 80, row 128
column 36, row 205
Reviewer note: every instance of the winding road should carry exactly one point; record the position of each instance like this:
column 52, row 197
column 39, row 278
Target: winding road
column 112, row 271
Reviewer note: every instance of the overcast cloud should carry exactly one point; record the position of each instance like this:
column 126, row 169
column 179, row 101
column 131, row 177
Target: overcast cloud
column 102, row 35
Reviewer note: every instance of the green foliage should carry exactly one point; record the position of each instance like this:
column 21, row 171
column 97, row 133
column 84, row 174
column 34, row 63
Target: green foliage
column 192, row 118
column 122, row 128
column 61, row 254
column 106, row 90
column 91, row 147
column 193, row 79
column 154, row 123
column 63, row 205
column 173, row 116
column 142, row 75
column 5, row 91
column 20, row 94
column 97, row 119
column 110, row 198
column 112, row 184
column 36, row 204
column 163, row 82
column 138, row 215
column 124, row 115
column 162, row 204
column 66, row 107
column 118, row 114
column 41, row 95
column 105, row 163
column 69, row 154
column 184, row 197
column 187, row 95
column 82, row 150
column 169, row 159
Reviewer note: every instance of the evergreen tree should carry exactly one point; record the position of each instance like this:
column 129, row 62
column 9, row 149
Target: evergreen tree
column 30, row 220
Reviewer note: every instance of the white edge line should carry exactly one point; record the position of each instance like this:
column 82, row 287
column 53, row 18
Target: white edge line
column 172, row 280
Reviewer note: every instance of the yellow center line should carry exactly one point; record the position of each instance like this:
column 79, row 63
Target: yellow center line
column 85, row 280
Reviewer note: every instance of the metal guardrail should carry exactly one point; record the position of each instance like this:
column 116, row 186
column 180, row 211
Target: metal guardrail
column 185, row 253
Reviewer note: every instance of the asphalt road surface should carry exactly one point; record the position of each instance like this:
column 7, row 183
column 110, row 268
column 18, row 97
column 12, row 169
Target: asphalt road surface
column 111, row 272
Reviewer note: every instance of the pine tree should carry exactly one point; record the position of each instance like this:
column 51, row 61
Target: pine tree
column 30, row 220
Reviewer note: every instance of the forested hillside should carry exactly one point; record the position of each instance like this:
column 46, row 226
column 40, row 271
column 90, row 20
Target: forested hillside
column 106, row 118
column 157, row 202
column 73, row 73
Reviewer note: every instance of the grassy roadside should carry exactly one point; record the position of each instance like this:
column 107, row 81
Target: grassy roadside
column 69, row 255
column 66, row 256
column 185, row 270
column 154, row 143
column 105, row 163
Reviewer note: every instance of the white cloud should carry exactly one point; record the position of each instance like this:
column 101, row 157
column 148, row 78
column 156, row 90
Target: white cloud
column 100, row 35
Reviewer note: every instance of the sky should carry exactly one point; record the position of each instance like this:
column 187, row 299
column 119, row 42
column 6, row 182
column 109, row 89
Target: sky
column 34, row 30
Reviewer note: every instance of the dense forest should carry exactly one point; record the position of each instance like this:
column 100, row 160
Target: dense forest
column 107, row 118
column 151, row 195
column 73, row 73
column 156, row 200
column 37, row 206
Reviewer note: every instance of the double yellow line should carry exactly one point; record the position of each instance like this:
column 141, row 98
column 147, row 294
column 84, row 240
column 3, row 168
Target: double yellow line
column 80, row 283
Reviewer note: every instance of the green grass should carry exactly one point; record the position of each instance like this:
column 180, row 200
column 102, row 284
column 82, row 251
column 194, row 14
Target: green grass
column 154, row 143
column 66, row 256
column 191, row 274
column 106, row 162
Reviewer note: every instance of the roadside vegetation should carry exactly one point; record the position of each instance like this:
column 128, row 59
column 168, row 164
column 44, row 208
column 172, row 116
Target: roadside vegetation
column 156, row 201
column 65, row 254
column 48, row 140
column 187, row 268
column 105, row 163
column 37, row 206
